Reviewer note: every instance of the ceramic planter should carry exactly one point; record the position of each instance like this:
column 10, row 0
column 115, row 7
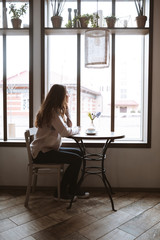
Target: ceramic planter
column 56, row 21
column 141, row 21
column 16, row 23
column 110, row 22
column 84, row 22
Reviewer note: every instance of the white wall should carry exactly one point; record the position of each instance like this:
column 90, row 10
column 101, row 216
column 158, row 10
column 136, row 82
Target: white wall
column 136, row 168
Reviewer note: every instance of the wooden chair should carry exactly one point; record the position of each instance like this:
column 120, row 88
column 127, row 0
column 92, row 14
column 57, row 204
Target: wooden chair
column 36, row 169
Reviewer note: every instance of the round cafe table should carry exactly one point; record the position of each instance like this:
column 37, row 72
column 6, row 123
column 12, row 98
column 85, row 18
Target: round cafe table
column 98, row 158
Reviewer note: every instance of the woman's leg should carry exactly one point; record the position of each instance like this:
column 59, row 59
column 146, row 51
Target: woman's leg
column 72, row 150
column 79, row 192
column 70, row 176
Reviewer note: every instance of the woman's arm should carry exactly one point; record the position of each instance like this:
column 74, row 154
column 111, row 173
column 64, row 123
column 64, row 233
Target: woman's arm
column 62, row 127
column 65, row 112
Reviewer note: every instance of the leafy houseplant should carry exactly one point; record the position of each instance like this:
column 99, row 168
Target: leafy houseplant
column 111, row 20
column 17, row 13
column 141, row 18
column 57, row 8
column 140, row 7
column 84, row 20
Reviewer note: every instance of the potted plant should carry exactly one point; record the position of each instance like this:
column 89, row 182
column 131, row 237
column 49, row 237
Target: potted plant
column 141, row 18
column 84, row 20
column 57, row 8
column 17, row 13
column 111, row 20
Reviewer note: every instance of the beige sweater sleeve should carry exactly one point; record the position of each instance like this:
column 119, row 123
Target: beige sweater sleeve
column 62, row 128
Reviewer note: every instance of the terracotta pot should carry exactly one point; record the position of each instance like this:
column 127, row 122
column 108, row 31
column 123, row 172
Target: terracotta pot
column 141, row 21
column 84, row 22
column 56, row 21
column 110, row 22
column 16, row 23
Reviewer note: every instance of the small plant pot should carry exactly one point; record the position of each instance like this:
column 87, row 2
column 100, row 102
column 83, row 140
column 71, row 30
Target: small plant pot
column 110, row 22
column 56, row 21
column 84, row 22
column 141, row 21
column 16, row 23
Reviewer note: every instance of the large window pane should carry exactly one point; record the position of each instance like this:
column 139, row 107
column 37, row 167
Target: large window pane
column 0, row 14
column 17, row 86
column 126, row 13
column 1, row 89
column 65, row 13
column 122, row 88
column 95, row 94
column 24, row 18
column 104, row 9
column 62, row 67
column 129, row 84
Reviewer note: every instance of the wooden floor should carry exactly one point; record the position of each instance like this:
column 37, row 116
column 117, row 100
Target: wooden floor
column 137, row 217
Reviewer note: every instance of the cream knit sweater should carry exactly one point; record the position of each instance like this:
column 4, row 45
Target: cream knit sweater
column 48, row 138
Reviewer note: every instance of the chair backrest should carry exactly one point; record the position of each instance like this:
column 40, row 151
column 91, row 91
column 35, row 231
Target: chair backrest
column 29, row 135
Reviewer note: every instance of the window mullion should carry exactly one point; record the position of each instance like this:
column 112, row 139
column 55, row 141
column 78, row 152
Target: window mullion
column 4, row 88
column 113, row 75
column 78, row 77
column 31, row 65
column 113, row 84
column 78, row 70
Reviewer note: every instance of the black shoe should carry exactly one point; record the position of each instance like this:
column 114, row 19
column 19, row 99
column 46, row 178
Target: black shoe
column 83, row 195
column 65, row 198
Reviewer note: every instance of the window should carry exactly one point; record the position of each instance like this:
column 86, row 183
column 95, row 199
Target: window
column 119, row 92
column 15, row 73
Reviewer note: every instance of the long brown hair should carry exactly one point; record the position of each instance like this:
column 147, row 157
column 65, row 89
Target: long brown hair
column 53, row 101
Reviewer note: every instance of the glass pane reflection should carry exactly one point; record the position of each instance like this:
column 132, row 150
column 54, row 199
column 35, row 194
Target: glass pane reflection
column 17, row 86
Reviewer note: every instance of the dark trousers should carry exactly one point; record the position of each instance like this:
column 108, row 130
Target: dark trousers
column 71, row 156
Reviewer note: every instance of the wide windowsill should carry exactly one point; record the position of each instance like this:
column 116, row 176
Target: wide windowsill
column 88, row 143
column 119, row 31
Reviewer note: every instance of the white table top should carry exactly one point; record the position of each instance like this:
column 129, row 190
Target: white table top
column 98, row 136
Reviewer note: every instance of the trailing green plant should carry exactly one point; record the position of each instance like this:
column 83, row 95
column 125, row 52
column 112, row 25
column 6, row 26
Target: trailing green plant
column 140, row 7
column 111, row 17
column 89, row 18
column 57, row 7
column 17, row 12
column 93, row 21
column 69, row 24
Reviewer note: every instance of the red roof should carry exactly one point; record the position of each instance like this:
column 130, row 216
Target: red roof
column 124, row 103
column 20, row 78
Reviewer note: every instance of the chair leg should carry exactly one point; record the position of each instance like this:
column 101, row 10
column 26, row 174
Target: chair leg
column 28, row 188
column 35, row 180
column 58, row 183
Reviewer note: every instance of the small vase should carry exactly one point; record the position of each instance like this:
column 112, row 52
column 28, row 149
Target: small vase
column 5, row 23
column 75, row 16
column 69, row 14
column 91, row 129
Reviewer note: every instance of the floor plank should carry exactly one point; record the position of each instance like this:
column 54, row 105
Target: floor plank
column 137, row 217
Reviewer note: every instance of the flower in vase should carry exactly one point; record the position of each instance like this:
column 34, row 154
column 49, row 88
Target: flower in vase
column 92, row 116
